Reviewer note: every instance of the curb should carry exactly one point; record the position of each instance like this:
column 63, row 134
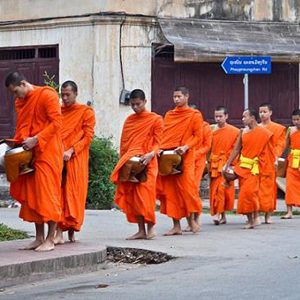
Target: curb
column 66, row 259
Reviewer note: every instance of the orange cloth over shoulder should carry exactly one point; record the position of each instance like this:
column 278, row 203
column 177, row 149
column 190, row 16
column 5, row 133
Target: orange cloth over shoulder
column 279, row 133
column 178, row 194
column 141, row 134
column 201, row 152
column 267, row 178
column 223, row 141
column 254, row 146
column 38, row 114
column 77, row 132
column 292, row 195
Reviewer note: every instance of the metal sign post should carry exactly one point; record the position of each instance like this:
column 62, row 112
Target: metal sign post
column 246, row 91
column 247, row 65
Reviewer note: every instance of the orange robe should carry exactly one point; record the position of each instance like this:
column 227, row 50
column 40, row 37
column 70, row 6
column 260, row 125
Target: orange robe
column 292, row 195
column 254, row 146
column 223, row 141
column 39, row 192
column 201, row 151
column 179, row 194
column 141, row 134
column 267, row 180
column 279, row 133
column 77, row 132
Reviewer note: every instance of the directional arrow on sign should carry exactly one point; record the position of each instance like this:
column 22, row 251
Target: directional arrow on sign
column 247, row 65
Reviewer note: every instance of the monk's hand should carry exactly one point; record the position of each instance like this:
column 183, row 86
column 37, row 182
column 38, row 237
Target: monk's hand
column 68, row 154
column 30, row 142
column 159, row 152
column 145, row 159
column 225, row 169
column 181, row 150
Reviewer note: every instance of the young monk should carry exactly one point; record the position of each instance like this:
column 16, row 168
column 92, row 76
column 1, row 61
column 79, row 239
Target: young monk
column 292, row 195
column 38, row 128
column 178, row 193
column 223, row 140
column 77, row 133
column 141, row 136
column 201, row 152
column 251, row 147
column 267, row 180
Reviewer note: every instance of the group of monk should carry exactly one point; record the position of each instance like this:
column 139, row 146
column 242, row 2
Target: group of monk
column 59, row 137
column 250, row 154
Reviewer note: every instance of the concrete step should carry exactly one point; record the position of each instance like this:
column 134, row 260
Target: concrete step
column 23, row 266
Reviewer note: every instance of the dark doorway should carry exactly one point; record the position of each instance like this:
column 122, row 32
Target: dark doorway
column 32, row 62
column 210, row 86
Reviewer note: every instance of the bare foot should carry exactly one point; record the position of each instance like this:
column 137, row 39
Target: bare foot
column 187, row 229
column 151, row 232
column 48, row 245
column 268, row 219
column 137, row 236
column 216, row 221
column 59, row 237
column 249, row 226
column 33, row 245
column 223, row 221
column 58, row 241
column 151, row 236
column 173, row 231
column 71, row 235
column 286, row 217
column 195, row 227
column 257, row 221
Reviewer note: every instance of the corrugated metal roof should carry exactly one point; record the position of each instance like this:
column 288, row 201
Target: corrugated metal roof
column 212, row 40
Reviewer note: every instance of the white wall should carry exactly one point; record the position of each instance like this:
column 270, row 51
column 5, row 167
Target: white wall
column 89, row 55
column 11, row 10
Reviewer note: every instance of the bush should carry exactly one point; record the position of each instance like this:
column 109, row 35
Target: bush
column 103, row 158
column 9, row 234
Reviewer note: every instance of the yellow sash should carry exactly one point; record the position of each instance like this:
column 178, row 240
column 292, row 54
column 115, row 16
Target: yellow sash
column 250, row 163
column 296, row 158
column 217, row 163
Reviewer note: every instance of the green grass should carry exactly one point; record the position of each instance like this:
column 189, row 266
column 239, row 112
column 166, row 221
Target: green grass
column 9, row 234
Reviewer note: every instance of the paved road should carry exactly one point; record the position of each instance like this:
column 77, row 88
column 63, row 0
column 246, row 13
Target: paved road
column 222, row 262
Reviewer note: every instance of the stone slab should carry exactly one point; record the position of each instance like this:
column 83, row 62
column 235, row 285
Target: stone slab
column 23, row 266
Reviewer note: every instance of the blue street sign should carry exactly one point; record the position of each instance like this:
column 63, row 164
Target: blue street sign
column 247, row 65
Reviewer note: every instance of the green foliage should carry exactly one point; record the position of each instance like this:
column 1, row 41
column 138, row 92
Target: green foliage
column 8, row 234
column 49, row 80
column 103, row 158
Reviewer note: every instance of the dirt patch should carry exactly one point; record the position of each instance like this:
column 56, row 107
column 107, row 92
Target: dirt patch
column 136, row 256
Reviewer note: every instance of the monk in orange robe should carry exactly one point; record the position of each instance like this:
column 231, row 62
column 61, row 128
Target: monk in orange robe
column 252, row 147
column 201, row 152
column 38, row 128
column 292, row 195
column 223, row 140
column 77, row 133
column 141, row 137
column 178, row 194
column 267, row 179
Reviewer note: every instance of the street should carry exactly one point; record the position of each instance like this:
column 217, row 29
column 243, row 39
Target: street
column 222, row 262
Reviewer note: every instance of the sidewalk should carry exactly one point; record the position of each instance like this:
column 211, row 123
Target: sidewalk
column 110, row 228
